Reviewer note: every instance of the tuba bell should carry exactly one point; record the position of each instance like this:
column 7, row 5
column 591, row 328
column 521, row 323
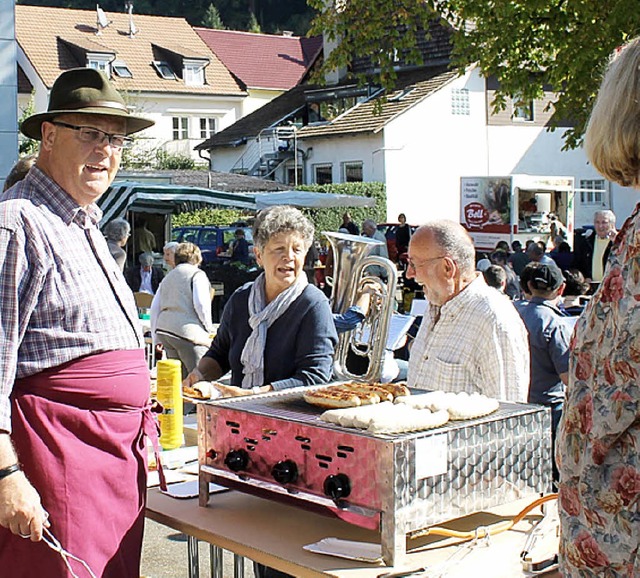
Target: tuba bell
column 351, row 256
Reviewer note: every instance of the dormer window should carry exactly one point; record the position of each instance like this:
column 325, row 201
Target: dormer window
column 194, row 72
column 164, row 70
column 121, row 70
column 101, row 62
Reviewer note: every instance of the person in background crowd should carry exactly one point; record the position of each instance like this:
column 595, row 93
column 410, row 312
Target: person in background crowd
column 144, row 241
column 181, row 309
column 592, row 253
column 537, row 254
column 278, row 331
column 310, row 260
column 556, row 229
column 525, row 277
column 349, row 225
column 482, row 265
column 145, row 278
column 403, row 235
column 370, row 230
column 512, row 289
column 575, row 294
column 74, row 383
column 598, row 438
column 471, row 338
column 549, row 336
column 519, row 258
column 19, row 171
column 117, row 234
column 495, row 276
column 562, row 254
column 240, row 249
column 168, row 254
column 503, row 246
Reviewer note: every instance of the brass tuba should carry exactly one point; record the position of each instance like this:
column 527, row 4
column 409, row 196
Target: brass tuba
column 351, row 256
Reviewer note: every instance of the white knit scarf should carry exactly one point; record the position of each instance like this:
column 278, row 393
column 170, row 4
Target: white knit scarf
column 261, row 317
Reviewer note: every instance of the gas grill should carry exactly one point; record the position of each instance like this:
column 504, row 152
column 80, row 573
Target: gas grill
column 275, row 445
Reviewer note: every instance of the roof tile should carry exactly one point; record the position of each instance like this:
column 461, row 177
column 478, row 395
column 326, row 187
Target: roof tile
column 263, row 60
column 47, row 36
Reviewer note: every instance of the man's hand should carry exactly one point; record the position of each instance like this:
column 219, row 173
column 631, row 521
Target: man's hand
column 20, row 508
column 194, row 377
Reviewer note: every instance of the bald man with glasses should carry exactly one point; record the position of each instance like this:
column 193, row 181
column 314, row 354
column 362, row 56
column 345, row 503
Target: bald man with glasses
column 471, row 338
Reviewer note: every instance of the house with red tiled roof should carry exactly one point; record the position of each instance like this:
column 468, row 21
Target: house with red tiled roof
column 433, row 127
column 160, row 64
column 265, row 65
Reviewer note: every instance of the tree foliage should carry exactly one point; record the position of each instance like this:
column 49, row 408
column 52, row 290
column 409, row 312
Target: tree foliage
column 212, row 19
column 528, row 45
column 272, row 16
column 323, row 219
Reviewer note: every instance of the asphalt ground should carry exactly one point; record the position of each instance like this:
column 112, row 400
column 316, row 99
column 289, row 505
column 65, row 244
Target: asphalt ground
column 164, row 555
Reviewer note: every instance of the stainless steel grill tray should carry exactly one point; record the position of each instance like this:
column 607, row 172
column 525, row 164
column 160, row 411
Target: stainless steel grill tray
column 397, row 483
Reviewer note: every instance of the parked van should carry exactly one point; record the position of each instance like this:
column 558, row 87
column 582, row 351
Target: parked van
column 212, row 240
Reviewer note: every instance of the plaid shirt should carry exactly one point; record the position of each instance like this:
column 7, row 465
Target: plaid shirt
column 62, row 295
column 478, row 344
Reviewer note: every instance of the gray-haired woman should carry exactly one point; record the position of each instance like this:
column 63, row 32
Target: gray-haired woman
column 276, row 332
column 117, row 234
column 181, row 309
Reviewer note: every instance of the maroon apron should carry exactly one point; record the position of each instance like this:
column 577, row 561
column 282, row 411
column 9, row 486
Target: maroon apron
column 79, row 431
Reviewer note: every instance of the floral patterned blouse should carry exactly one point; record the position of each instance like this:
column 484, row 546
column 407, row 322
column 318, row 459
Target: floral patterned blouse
column 598, row 441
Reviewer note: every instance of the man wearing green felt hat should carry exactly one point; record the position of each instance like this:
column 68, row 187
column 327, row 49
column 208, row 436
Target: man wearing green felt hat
column 74, row 384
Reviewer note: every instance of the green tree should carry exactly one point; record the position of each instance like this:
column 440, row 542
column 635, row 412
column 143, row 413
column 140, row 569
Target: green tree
column 528, row 45
column 254, row 25
column 212, row 19
column 27, row 146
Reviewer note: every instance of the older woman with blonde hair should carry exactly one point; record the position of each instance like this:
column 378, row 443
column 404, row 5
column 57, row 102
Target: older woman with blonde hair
column 599, row 433
column 277, row 331
column 181, row 309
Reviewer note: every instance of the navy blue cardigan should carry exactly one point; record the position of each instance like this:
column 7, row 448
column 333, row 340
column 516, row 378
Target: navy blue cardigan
column 300, row 343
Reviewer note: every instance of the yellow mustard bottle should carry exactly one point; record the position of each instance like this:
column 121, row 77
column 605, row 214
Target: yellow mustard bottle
column 170, row 397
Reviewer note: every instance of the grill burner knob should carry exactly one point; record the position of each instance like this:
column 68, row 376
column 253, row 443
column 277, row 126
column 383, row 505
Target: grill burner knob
column 237, row 460
column 285, row 472
column 337, row 486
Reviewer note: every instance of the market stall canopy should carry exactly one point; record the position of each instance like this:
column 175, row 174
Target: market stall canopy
column 126, row 196
column 310, row 199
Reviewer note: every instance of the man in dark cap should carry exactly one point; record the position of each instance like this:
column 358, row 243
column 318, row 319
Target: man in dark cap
column 74, row 384
column 549, row 332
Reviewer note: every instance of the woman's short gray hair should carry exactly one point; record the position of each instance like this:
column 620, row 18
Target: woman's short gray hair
column 117, row 230
column 188, row 253
column 281, row 219
column 455, row 242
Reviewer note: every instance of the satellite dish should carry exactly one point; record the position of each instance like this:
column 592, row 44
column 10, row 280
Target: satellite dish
column 132, row 27
column 102, row 20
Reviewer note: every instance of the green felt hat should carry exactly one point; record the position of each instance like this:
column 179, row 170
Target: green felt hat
column 83, row 91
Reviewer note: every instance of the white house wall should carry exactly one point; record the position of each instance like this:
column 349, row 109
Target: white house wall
column 162, row 108
column 344, row 149
column 257, row 97
column 427, row 149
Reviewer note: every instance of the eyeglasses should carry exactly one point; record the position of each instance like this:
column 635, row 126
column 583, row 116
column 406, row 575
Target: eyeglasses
column 414, row 266
column 95, row 136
